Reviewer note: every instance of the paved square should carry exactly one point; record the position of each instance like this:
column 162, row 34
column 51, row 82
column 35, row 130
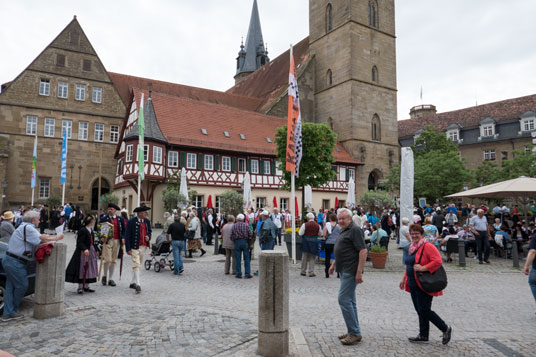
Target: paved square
column 207, row 313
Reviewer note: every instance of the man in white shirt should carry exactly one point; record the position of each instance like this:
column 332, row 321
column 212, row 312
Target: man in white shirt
column 479, row 226
column 276, row 218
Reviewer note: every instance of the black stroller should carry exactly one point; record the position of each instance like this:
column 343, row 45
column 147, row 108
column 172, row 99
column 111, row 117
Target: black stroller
column 160, row 255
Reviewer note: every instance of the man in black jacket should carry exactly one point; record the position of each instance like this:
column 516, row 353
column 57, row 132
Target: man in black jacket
column 137, row 242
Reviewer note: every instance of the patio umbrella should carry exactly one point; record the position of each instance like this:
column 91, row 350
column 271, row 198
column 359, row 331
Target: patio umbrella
column 183, row 190
column 275, row 202
column 209, row 203
column 350, row 200
column 336, row 202
column 308, row 196
column 246, row 187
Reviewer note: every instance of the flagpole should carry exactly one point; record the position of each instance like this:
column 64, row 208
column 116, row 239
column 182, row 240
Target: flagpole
column 63, row 196
column 139, row 189
column 33, row 189
column 293, row 210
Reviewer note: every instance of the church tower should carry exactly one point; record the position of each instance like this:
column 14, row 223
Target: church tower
column 354, row 49
column 254, row 55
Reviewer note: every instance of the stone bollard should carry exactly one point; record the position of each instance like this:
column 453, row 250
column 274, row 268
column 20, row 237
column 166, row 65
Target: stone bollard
column 461, row 252
column 50, row 283
column 273, row 304
column 515, row 253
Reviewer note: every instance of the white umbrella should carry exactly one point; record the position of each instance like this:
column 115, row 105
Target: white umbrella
column 308, row 196
column 350, row 200
column 183, row 190
column 246, row 187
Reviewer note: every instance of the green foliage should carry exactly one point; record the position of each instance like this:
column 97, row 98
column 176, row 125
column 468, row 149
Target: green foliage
column 486, row 174
column 107, row 199
column 53, row 201
column 521, row 164
column 376, row 248
column 231, row 202
column 439, row 170
column 171, row 198
column 376, row 200
column 318, row 145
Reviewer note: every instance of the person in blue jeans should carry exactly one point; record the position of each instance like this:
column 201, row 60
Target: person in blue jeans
column 20, row 252
column 177, row 229
column 268, row 232
column 530, row 264
column 350, row 256
column 240, row 235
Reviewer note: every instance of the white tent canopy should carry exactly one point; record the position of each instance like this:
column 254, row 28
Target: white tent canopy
column 516, row 188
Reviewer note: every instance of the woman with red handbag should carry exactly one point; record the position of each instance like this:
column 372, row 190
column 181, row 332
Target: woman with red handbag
column 423, row 257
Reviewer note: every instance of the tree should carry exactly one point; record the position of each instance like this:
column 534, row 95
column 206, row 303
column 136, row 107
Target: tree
column 376, row 200
column 315, row 166
column 108, row 198
column 487, row 173
column 231, row 202
column 439, row 170
column 523, row 163
column 53, row 201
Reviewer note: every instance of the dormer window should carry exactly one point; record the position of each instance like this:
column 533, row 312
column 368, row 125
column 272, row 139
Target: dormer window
column 487, row 129
column 453, row 134
column 528, row 121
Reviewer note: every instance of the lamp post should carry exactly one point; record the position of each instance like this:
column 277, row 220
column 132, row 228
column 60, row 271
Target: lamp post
column 71, row 181
column 4, row 186
column 79, row 174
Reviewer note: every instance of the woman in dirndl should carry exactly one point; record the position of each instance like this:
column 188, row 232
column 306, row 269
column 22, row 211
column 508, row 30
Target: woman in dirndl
column 82, row 268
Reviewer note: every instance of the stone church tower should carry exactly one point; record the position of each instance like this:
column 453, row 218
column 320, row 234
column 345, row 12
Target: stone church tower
column 353, row 46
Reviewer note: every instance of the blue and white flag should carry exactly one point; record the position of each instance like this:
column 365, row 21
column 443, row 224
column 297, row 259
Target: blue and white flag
column 63, row 176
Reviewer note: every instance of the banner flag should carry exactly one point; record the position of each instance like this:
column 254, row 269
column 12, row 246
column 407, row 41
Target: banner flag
column 63, row 173
column 141, row 152
column 294, row 132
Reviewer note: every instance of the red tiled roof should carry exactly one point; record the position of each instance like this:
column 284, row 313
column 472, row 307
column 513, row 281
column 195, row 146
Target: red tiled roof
column 505, row 110
column 269, row 81
column 124, row 83
column 181, row 120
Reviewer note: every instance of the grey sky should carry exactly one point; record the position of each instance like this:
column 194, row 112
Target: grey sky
column 459, row 51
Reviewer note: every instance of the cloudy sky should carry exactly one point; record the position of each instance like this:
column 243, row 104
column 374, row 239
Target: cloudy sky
column 460, row 52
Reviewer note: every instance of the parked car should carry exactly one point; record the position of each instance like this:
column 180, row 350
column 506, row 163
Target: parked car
column 31, row 277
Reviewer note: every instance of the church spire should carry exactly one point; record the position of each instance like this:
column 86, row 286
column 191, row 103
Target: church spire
column 253, row 55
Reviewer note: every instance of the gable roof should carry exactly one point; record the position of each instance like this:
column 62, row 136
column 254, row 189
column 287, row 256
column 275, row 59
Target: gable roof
column 182, row 120
column 124, row 83
column 269, row 81
column 501, row 111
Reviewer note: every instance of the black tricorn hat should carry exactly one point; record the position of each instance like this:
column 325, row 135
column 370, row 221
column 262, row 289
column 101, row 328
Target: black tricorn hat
column 141, row 209
column 114, row 206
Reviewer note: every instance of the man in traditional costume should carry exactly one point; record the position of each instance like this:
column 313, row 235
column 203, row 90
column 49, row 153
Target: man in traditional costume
column 137, row 242
column 111, row 247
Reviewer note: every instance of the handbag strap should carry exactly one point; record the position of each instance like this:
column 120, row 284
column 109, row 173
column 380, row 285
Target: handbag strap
column 422, row 251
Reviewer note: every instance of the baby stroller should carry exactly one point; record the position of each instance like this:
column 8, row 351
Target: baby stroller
column 160, row 255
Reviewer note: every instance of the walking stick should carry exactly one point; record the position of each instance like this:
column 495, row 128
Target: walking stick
column 86, row 266
column 101, row 262
column 121, row 258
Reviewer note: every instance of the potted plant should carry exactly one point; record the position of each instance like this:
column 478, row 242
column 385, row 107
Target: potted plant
column 378, row 256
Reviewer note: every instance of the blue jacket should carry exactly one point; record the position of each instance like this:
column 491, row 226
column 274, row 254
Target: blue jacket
column 132, row 234
column 120, row 221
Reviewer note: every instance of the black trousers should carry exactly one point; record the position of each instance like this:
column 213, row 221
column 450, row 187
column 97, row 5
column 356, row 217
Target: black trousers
column 423, row 305
column 327, row 260
column 482, row 244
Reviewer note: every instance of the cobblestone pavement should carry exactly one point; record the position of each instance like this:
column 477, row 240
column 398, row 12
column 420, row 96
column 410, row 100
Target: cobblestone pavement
column 207, row 313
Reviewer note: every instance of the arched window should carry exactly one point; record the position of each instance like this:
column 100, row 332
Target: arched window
column 374, row 74
column 373, row 13
column 329, row 18
column 376, row 128
column 329, row 78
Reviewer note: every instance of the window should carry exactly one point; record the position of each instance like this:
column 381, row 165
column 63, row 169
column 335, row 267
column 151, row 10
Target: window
column 129, row 153
column 329, row 18
column 145, row 153
column 226, row 163
column 373, row 14
column 487, row 130
column 504, row 155
column 217, row 207
column 44, row 87
column 191, row 161
column 83, row 128
column 197, row 201
column 266, row 164
column 67, row 125
column 157, row 154
column 326, row 204
column 453, row 135
column 376, row 128
column 86, row 65
column 278, row 170
column 119, row 167
column 60, row 60
column 489, row 155
column 49, row 127
column 173, row 159
column 80, row 93
column 374, row 74
column 63, row 89
column 114, row 134
column 241, row 165
column 283, row 204
column 261, row 202
column 209, row 162
column 351, row 174
column 99, row 132
column 329, row 78
column 31, row 125
column 255, row 167
column 44, row 188
column 96, row 96
column 528, row 125
column 342, row 174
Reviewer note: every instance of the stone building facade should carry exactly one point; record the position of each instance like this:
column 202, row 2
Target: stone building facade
column 65, row 88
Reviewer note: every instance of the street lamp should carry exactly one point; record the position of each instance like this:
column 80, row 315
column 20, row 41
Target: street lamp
column 4, row 186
